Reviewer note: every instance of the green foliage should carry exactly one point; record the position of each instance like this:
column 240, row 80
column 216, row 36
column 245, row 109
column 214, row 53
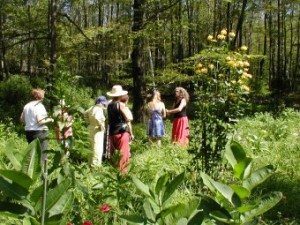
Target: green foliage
column 14, row 94
column 222, row 84
column 275, row 140
column 157, row 208
column 22, row 191
column 233, row 204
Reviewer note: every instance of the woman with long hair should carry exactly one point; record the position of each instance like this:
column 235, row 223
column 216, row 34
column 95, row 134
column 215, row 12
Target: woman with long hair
column 156, row 111
column 180, row 129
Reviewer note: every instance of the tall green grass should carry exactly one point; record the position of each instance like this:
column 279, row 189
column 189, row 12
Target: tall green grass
column 276, row 141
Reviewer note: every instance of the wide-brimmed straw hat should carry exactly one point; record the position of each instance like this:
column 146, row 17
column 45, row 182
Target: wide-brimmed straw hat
column 117, row 91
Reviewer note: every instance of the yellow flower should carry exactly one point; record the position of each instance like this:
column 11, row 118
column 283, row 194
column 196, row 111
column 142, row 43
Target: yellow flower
column 211, row 66
column 221, row 37
column 246, row 88
column 228, row 58
column 241, row 63
column 210, row 37
column 221, row 75
column 247, row 75
column 244, row 48
column 241, row 81
column 204, row 70
column 199, row 65
column 197, row 71
column 224, row 32
column 231, row 34
column 233, row 64
column 246, row 63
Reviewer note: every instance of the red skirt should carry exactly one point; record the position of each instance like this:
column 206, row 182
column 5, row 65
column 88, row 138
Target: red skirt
column 120, row 142
column 180, row 131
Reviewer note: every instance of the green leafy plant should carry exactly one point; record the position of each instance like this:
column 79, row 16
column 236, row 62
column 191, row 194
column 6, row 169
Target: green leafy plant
column 233, row 204
column 22, row 191
column 157, row 207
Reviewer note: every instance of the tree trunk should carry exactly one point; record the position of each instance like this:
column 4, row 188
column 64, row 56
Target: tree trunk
column 137, row 61
column 239, row 26
column 3, row 68
column 52, row 36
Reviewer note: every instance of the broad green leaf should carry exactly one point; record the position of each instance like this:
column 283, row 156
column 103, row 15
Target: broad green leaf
column 31, row 164
column 207, row 181
column 9, row 153
column 240, row 191
column 234, row 153
column 176, row 209
column 141, row 186
column 257, row 177
column 190, row 208
column 13, row 190
column 63, row 205
column 33, row 221
column 218, row 215
column 9, row 215
column 227, row 192
column 161, row 182
column 36, row 194
column 54, row 195
column 172, row 186
column 243, row 168
column 182, row 221
column 149, row 211
column 266, row 203
column 134, row 219
column 18, row 177
column 245, row 208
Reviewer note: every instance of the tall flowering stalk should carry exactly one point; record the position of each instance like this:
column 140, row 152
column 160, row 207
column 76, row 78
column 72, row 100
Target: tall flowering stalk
column 222, row 78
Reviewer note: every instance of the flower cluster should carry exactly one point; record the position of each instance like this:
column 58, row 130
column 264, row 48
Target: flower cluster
column 221, row 36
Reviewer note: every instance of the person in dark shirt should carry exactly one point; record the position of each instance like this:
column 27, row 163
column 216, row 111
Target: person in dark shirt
column 119, row 133
column 180, row 129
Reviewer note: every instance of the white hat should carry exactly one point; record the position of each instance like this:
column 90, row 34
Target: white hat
column 117, row 91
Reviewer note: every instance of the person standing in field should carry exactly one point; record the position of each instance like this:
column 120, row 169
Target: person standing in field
column 120, row 133
column 156, row 111
column 180, row 129
column 35, row 117
column 96, row 119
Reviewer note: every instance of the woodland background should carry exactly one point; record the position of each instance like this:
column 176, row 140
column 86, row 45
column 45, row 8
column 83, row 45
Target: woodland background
column 138, row 43
column 242, row 88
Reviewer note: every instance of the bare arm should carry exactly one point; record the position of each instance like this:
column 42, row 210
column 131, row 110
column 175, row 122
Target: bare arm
column 127, row 119
column 42, row 121
column 164, row 111
column 179, row 108
column 22, row 118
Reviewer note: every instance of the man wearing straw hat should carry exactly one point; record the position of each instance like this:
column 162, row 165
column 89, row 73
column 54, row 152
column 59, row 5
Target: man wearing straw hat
column 119, row 134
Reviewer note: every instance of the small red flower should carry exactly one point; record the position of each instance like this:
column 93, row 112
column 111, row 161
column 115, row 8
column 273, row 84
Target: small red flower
column 105, row 208
column 87, row 223
column 70, row 224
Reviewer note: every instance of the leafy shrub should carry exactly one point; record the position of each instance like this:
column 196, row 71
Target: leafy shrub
column 15, row 92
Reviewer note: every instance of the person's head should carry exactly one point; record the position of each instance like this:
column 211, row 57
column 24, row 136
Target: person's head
column 181, row 93
column 124, row 99
column 38, row 94
column 155, row 96
column 117, row 92
column 101, row 100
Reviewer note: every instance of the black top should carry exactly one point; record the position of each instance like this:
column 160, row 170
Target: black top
column 182, row 113
column 116, row 119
